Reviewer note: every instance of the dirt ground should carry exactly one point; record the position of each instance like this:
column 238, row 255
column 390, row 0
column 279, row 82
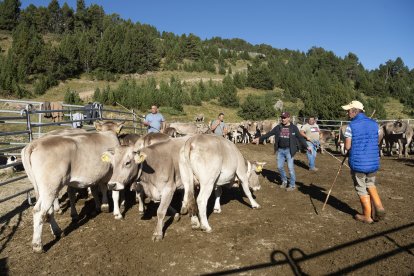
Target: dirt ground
column 289, row 235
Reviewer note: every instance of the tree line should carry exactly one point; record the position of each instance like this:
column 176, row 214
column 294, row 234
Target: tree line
column 54, row 43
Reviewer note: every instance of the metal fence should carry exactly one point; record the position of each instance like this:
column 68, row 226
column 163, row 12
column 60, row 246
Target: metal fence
column 23, row 121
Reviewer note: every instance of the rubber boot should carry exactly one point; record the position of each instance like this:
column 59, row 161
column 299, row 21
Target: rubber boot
column 366, row 208
column 378, row 211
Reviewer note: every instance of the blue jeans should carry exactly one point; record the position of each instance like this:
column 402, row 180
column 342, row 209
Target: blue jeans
column 312, row 155
column 282, row 155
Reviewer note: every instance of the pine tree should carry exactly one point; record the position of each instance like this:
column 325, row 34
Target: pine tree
column 228, row 96
column 55, row 17
column 9, row 14
column 68, row 19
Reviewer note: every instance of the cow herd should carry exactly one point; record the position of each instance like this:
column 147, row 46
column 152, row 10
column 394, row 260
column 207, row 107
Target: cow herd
column 155, row 165
column 393, row 132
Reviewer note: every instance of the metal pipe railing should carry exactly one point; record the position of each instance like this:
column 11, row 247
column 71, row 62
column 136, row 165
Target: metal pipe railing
column 20, row 193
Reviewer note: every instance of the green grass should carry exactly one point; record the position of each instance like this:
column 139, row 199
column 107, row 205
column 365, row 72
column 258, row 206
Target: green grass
column 395, row 109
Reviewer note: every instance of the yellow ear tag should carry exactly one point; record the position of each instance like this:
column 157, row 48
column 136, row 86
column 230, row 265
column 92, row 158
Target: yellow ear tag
column 259, row 169
column 139, row 158
column 105, row 158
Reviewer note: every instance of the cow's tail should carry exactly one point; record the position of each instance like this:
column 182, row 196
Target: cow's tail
column 26, row 154
column 187, row 176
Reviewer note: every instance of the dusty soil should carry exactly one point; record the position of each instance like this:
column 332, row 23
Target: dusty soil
column 289, row 235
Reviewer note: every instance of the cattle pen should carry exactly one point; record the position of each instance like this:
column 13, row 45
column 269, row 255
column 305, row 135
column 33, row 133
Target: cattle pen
column 289, row 235
column 23, row 121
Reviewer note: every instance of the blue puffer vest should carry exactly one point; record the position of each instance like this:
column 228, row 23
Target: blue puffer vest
column 364, row 155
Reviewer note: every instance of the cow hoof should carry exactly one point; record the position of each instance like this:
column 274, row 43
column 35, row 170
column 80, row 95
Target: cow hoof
column 206, row 229
column 195, row 223
column 156, row 238
column 141, row 212
column 256, row 206
column 177, row 217
column 147, row 200
column 118, row 217
column 217, row 211
column 105, row 208
column 59, row 211
column 184, row 210
column 38, row 248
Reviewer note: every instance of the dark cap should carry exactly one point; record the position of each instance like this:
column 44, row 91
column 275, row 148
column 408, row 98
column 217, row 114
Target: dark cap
column 285, row 114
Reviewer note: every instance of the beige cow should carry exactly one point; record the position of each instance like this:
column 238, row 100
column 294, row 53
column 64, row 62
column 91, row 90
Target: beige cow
column 158, row 173
column 69, row 160
column 213, row 161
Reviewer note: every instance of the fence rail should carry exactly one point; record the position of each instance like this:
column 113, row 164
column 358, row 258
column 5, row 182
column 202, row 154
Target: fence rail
column 31, row 114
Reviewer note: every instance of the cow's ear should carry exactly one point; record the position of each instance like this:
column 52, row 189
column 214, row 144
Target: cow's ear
column 140, row 157
column 119, row 126
column 259, row 166
column 106, row 157
column 98, row 125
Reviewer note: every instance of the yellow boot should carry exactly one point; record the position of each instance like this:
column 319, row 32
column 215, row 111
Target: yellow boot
column 378, row 212
column 366, row 208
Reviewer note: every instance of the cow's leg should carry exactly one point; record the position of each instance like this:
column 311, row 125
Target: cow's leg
column 95, row 194
column 56, row 206
column 166, row 197
column 246, row 190
column 140, row 196
column 202, row 199
column 218, row 191
column 104, row 206
column 54, row 227
column 400, row 148
column 40, row 216
column 115, row 198
column 72, row 201
column 174, row 213
column 37, row 227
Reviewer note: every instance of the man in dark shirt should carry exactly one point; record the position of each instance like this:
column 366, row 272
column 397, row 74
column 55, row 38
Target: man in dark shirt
column 287, row 142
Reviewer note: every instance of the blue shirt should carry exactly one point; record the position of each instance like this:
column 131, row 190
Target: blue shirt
column 154, row 121
column 219, row 130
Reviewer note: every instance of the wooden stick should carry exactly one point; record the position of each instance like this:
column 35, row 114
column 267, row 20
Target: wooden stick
column 333, row 183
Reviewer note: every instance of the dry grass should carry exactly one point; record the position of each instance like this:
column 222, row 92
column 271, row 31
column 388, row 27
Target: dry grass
column 5, row 41
column 209, row 109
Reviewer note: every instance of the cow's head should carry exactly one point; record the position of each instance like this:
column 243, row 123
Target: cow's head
column 125, row 163
column 254, row 169
column 399, row 127
column 115, row 127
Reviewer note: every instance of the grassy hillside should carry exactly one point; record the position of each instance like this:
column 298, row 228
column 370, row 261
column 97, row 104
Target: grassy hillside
column 86, row 87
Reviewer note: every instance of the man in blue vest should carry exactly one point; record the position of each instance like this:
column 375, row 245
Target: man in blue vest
column 361, row 140
column 154, row 120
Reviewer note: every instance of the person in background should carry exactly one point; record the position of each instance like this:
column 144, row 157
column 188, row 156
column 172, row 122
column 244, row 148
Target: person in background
column 361, row 141
column 154, row 120
column 287, row 142
column 218, row 127
column 310, row 131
